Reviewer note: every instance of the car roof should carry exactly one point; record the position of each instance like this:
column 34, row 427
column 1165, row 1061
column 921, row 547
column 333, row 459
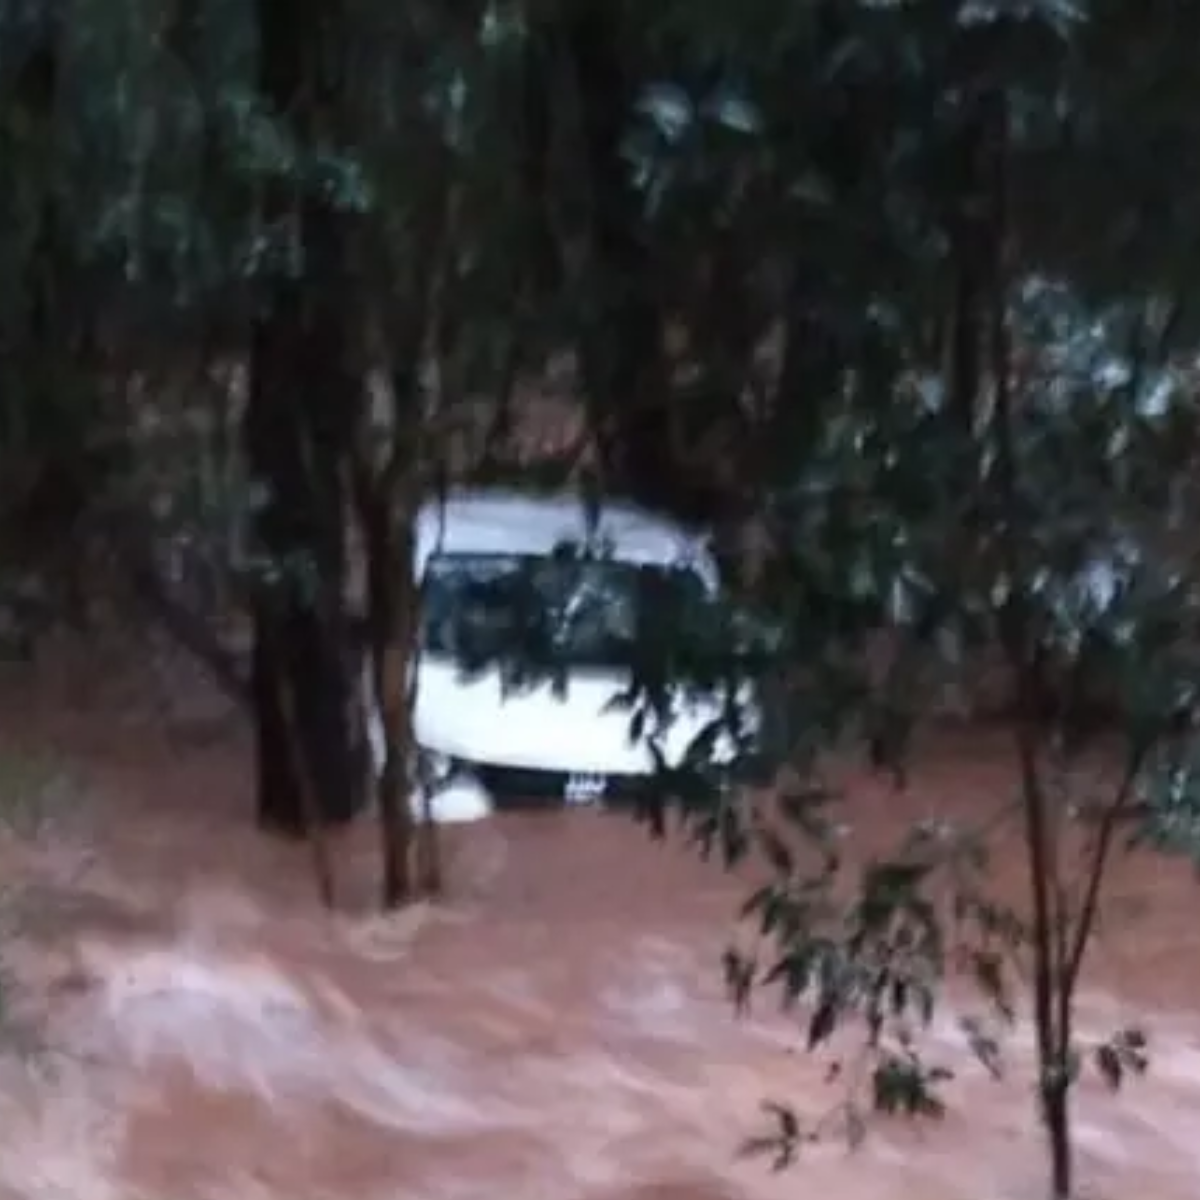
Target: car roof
column 511, row 522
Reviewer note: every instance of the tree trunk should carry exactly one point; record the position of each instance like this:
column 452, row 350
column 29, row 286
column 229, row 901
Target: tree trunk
column 623, row 363
column 389, row 621
column 299, row 428
column 391, row 471
column 1056, row 1116
column 45, row 372
column 1054, row 975
column 318, row 840
column 1051, row 1004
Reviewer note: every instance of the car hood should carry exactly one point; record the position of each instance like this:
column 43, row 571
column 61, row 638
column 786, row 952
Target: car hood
column 539, row 728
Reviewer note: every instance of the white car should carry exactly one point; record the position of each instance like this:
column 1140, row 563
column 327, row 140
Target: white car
column 485, row 746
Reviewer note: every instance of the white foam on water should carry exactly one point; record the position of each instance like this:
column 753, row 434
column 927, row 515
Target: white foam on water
column 601, row 1118
column 241, row 1025
column 461, row 801
column 60, row 1134
column 655, row 994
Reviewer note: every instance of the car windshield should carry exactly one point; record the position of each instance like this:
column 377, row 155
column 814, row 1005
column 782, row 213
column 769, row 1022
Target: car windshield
column 584, row 612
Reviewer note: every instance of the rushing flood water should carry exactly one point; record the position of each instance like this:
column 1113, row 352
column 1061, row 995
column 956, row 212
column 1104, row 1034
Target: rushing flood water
column 554, row 1029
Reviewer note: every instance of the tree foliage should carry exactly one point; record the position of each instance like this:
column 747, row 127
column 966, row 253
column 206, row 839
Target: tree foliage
column 896, row 296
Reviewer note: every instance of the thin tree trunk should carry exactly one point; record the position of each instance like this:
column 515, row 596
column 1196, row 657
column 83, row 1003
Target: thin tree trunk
column 389, row 483
column 622, row 351
column 428, row 846
column 1051, row 999
column 299, row 427
column 187, row 628
column 1052, row 987
column 47, row 367
column 427, row 858
column 389, row 624
column 1056, row 1114
column 318, row 838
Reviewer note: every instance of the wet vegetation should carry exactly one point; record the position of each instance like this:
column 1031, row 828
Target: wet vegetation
column 895, row 298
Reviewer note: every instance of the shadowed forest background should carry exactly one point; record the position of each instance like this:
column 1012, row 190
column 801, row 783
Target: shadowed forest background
column 896, row 299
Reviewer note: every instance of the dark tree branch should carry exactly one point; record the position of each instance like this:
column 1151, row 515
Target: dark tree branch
column 188, row 629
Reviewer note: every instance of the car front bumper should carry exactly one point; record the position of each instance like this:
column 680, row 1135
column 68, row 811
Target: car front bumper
column 515, row 789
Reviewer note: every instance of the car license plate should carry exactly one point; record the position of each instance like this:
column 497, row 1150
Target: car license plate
column 584, row 789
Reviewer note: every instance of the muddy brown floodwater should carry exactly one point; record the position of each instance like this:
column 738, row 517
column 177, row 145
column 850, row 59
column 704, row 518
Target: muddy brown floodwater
column 188, row 1026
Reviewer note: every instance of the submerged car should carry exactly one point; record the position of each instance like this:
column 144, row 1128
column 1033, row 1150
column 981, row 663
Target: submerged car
column 491, row 565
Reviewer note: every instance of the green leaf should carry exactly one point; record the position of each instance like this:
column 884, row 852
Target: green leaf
column 775, row 850
column 985, row 1046
column 823, row 1021
column 740, row 972
column 988, row 969
column 1112, row 1069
